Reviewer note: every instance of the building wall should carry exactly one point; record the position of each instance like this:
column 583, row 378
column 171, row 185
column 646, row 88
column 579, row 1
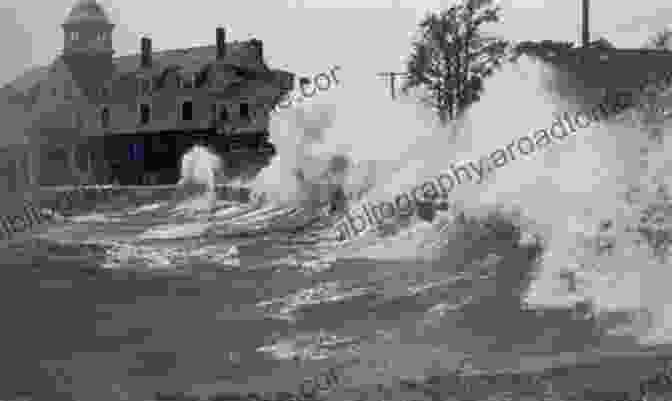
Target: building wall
column 124, row 108
column 87, row 96
column 66, row 115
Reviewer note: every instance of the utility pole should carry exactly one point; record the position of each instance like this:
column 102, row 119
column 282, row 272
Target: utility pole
column 585, row 29
column 392, row 76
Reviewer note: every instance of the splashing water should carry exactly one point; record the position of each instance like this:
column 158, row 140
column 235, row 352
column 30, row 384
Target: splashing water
column 198, row 171
column 562, row 192
column 597, row 200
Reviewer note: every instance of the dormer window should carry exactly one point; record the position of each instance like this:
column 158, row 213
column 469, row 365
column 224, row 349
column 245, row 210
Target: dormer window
column 223, row 113
column 187, row 81
column 145, row 114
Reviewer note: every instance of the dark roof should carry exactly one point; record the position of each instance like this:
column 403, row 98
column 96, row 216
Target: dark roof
column 87, row 11
column 240, row 55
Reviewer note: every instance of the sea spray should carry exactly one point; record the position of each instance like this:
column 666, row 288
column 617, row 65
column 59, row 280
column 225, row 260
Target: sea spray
column 198, row 170
column 356, row 123
column 563, row 192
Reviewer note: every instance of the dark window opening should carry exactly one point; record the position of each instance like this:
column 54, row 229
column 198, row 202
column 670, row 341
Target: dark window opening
column 145, row 114
column 188, row 82
column 245, row 111
column 187, row 111
column 82, row 158
column 223, row 113
column 145, row 86
column 105, row 117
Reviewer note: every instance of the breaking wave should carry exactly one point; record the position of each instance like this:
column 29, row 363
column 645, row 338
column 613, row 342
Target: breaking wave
column 526, row 245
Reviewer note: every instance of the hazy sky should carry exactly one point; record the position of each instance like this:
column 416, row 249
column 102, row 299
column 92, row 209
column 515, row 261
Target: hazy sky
column 309, row 36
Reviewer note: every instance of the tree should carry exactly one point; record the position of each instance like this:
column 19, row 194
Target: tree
column 661, row 40
column 453, row 57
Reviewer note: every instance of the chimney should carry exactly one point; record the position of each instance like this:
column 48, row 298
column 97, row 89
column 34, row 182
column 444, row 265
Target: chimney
column 585, row 38
column 221, row 43
column 146, row 52
column 260, row 48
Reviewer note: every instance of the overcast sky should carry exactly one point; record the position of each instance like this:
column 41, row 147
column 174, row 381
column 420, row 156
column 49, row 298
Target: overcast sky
column 309, row 36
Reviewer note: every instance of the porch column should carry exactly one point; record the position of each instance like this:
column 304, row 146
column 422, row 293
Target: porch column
column 33, row 164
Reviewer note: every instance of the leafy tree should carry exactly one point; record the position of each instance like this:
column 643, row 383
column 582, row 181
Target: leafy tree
column 453, row 57
column 661, row 40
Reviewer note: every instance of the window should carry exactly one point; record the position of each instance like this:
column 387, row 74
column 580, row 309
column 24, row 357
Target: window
column 245, row 111
column 82, row 158
column 25, row 167
column 74, row 35
column 77, row 119
column 145, row 86
column 105, row 117
column 136, row 151
column 188, row 82
column 235, row 146
column 104, row 91
column 223, row 113
column 145, row 114
column 187, row 111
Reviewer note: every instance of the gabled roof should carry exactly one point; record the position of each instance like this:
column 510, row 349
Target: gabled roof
column 20, row 96
column 26, row 81
column 192, row 60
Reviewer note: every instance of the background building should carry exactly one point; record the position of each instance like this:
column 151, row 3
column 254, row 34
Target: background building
column 90, row 117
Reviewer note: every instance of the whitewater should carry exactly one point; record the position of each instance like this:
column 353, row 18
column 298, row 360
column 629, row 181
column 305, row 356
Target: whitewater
column 203, row 295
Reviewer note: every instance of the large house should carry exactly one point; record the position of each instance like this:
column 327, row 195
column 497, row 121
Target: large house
column 93, row 118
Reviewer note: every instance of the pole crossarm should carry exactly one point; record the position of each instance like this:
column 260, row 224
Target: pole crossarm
column 392, row 75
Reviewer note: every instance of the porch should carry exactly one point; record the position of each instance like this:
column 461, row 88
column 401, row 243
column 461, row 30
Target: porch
column 149, row 158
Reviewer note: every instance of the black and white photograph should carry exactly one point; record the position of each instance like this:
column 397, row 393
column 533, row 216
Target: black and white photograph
column 335, row 200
